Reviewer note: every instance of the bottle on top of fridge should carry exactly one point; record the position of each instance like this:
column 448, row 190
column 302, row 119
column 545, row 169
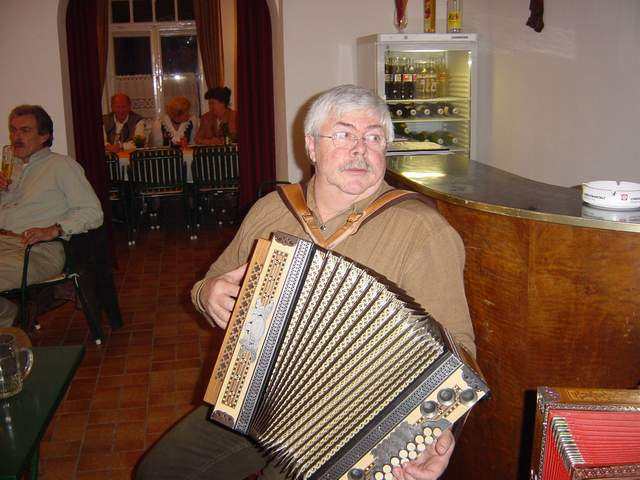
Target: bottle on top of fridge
column 429, row 16
column 454, row 16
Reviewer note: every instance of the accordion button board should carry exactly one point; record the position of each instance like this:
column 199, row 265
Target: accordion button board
column 333, row 371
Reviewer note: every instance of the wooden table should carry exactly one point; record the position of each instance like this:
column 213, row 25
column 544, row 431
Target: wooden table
column 25, row 417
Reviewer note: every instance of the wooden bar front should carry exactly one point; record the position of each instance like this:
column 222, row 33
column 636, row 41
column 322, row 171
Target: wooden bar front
column 552, row 304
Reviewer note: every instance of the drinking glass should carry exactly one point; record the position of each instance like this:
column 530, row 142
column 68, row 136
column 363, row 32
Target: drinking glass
column 7, row 161
column 15, row 365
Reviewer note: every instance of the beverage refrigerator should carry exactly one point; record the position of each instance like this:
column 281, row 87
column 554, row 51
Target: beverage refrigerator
column 429, row 83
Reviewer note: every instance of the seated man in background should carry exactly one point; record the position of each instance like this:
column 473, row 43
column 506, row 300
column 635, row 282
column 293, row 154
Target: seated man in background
column 347, row 130
column 177, row 127
column 47, row 196
column 220, row 124
column 122, row 125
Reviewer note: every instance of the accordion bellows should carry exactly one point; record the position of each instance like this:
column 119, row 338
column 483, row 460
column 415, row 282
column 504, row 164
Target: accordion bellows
column 587, row 434
column 332, row 371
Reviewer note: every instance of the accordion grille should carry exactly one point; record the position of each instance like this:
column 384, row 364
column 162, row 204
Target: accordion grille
column 350, row 348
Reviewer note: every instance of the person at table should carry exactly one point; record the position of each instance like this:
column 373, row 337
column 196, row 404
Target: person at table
column 177, row 127
column 46, row 196
column 346, row 130
column 122, row 125
column 220, row 123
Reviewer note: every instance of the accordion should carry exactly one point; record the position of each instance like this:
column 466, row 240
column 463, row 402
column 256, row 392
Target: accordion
column 586, row 434
column 333, row 373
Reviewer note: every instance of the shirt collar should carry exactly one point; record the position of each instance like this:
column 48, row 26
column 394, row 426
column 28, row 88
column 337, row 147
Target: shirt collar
column 115, row 119
column 39, row 155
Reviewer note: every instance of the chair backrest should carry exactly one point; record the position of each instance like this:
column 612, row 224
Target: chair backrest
column 216, row 166
column 157, row 169
column 115, row 171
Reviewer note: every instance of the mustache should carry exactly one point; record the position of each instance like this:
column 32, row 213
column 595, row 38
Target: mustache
column 358, row 163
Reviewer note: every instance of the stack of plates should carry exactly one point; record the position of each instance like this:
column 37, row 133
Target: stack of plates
column 612, row 195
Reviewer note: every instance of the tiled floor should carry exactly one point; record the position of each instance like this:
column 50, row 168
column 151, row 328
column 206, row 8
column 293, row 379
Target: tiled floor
column 146, row 375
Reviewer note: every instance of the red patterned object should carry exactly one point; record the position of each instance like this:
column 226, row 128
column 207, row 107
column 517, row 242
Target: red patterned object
column 587, row 434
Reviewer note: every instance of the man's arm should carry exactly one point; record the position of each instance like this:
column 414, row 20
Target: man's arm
column 84, row 212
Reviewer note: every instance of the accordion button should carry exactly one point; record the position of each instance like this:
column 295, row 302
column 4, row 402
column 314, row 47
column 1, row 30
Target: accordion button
column 427, row 431
column 429, row 408
column 404, row 460
column 413, row 455
column 419, row 439
column 378, row 476
column 446, row 396
column 388, row 476
column 428, row 440
column 403, row 454
column 411, row 447
column 437, row 432
column 355, row 474
column 386, row 468
column 395, row 462
column 422, row 446
column 468, row 397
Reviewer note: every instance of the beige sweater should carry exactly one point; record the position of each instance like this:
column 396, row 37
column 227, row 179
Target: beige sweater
column 409, row 243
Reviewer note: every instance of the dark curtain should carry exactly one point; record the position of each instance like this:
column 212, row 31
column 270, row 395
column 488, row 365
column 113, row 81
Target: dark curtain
column 86, row 92
column 102, row 30
column 256, row 142
column 209, row 30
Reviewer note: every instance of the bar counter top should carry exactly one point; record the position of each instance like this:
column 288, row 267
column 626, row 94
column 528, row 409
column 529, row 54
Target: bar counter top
column 476, row 185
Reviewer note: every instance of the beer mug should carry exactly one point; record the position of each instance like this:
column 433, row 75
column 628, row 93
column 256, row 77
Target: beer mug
column 6, row 165
column 15, row 365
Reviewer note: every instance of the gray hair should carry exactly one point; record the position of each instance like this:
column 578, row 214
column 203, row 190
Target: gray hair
column 344, row 99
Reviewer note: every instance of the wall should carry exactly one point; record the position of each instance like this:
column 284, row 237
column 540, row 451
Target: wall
column 560, row 106
column 33, row 57
column 557, row 106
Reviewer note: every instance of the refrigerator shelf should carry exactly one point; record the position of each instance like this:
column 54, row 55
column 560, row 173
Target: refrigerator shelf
column 429, row 100
column 435, row 118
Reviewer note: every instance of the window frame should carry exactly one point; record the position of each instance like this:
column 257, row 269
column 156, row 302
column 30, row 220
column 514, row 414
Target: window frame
column 153, row 30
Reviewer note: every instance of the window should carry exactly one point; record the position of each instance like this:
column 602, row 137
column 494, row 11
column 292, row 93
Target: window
column 153, row 54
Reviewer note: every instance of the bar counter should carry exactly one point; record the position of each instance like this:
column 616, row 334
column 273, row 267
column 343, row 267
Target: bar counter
column 554, row 296
column 490, row 189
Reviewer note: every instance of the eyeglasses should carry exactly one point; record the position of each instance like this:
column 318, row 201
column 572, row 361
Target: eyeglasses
column 374, row 141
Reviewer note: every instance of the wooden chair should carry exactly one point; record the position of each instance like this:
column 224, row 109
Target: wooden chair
column 216, row 182
column 160, row 174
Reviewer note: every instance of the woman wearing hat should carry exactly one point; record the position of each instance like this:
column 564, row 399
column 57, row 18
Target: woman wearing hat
column 220, row 124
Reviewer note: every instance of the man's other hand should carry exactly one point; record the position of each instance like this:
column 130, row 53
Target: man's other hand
column 4, row 182
column 219, row 295
column 33, row 235
column 431, row 463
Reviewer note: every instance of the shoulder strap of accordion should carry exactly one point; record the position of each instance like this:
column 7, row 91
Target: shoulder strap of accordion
column 293, row 196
